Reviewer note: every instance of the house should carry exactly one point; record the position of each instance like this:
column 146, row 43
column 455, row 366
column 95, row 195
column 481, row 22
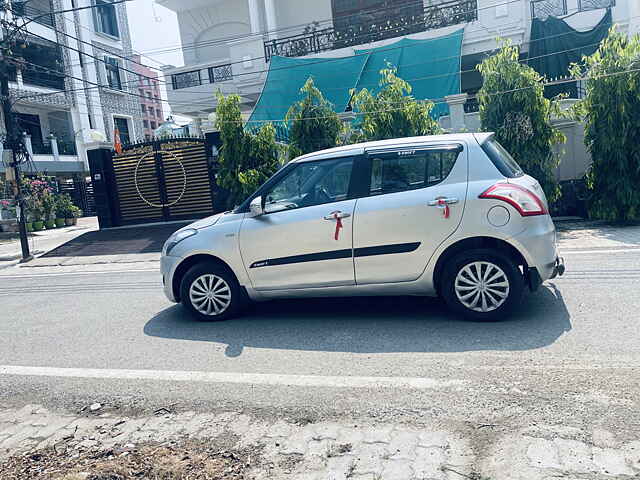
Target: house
column 228, row 45
column 150, row 101
column 73, row 85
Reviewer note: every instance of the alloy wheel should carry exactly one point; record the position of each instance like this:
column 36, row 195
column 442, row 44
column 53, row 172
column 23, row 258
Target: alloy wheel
column 210, row 294
column 482, row 286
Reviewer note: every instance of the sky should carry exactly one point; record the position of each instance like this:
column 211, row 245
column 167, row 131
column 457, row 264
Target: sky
column 154, row 28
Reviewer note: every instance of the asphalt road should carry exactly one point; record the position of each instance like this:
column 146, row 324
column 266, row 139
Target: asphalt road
column 570, row 355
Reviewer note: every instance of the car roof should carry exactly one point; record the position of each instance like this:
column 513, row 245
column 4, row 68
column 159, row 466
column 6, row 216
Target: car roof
column 359, row 148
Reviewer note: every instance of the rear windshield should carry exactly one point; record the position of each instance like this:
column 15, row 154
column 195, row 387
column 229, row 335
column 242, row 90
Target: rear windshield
column 503, row 161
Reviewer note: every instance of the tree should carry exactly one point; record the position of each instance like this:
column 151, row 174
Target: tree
column 246, row 160
column 262, row 161
column 392, row 112
column 513, row 105
column 314, row 124
column 611, row 110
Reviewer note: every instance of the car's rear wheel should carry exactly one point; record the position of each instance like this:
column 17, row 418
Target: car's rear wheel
column 211, row 292
column 482, row 284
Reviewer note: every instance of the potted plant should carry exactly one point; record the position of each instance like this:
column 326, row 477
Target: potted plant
column 35, row 190
column 75, row 214
column 48, row 208
column 38, row 223
column 62, row 209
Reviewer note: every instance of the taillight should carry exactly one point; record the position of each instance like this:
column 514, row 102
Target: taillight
column 522, row 199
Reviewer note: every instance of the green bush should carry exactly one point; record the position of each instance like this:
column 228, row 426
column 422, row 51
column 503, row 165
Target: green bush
column 314, row 124
column 513, row 105
column 611, row 110
column 392, row 112
column 246, row 160
column 63, row 206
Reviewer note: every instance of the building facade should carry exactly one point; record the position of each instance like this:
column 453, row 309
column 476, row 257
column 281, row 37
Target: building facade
column 227, row 44
column 73, row 85
column 150, row 102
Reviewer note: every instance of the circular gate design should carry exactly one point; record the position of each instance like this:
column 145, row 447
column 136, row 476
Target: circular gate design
column 146, row 167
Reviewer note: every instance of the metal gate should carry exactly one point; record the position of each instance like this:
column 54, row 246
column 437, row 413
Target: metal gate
column 163, row 180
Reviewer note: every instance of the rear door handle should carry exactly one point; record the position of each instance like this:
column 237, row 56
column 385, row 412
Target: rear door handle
column 440, row 200
column 334, row 215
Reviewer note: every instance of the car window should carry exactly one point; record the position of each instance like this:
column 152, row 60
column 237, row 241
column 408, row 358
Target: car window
column 502, row 159
column 410, row 169
column 311, row 183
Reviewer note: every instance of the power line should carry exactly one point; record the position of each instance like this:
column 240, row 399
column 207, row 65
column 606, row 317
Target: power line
column 471, row 97
column 322, row 60
column 215, row 41
column 51, row 13
column 319, row 22
column 448, row 74
column 325, row 90
column 441, row 101
column 110, row 52
column 220, row 40
column 192, row 103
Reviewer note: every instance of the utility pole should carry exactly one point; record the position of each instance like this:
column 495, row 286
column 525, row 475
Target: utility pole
column 14, row 140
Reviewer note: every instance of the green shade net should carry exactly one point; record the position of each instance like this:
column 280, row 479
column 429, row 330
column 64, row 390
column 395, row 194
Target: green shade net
column 431, row 66
column 333, row 77
column 555, row 45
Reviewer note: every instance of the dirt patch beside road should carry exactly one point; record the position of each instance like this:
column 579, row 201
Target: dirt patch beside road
column 168, row 461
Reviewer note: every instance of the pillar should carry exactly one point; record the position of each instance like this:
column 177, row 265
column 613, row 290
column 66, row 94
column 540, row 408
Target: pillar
column 54, row 147
column 254, row 15
column 270, row 14
column 196, row 127
column 28, row 145
column 104, row 184
column 456, row 111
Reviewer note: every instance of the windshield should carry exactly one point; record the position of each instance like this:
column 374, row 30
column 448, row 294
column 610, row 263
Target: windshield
column 502, row 159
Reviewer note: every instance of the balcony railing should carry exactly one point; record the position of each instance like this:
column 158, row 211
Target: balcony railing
column 66, row 147
column 368, row 30
column 584, row 5
column 39, row 10
column 195, row 78
column 220, row 73
column 558, row 8
column 185, row 80
column 41, row 148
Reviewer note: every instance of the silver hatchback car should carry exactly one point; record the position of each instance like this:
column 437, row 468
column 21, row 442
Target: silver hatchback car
column 451, row 216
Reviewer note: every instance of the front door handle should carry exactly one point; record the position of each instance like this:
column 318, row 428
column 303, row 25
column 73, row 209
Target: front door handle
column 334, row 215
column 440, row 200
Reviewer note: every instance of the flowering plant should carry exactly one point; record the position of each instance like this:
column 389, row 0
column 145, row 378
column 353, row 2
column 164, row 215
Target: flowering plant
column 7, row 209
column 39, row 199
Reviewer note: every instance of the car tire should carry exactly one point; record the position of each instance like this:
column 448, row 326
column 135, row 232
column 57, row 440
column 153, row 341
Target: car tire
column 488, row 294
column 211, row 292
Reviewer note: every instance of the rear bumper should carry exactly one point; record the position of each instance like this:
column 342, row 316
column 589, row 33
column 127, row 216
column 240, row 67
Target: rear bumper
column 537, row 244
column 533, row 278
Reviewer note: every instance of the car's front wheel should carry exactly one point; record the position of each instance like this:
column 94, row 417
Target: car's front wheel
column 211, row 293
column 482, row 284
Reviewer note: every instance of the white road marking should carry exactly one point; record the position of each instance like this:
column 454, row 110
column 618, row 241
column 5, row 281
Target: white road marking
column 233, row 377
column 97, row 272
column 591, row 252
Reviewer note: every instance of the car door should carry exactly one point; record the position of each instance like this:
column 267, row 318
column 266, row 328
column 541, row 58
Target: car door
column 415, row 201
column 305, row 237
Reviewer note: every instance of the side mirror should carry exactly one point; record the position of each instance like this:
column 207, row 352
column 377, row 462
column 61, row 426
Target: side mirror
column 255, row 207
